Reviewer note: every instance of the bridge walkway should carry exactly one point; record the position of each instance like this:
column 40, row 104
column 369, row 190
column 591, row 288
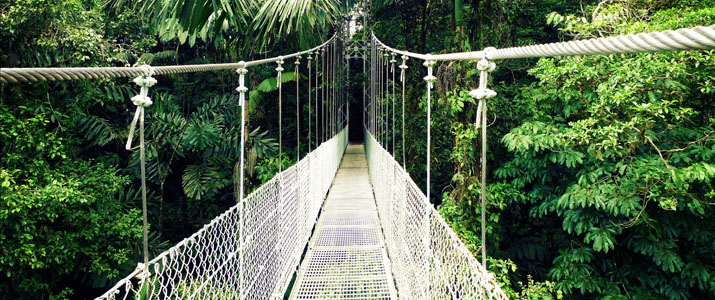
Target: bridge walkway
column 346, row 257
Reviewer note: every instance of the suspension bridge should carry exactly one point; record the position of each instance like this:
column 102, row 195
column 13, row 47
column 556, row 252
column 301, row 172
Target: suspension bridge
column 346, row 221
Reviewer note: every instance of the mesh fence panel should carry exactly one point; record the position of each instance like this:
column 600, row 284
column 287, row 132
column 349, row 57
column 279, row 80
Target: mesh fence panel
column 427, row 258
column 217, row 262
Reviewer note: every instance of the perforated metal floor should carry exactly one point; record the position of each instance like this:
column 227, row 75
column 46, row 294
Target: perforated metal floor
column 346, row 258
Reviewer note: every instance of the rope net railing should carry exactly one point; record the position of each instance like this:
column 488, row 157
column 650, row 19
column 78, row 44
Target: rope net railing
column 428, row 260
column 277, row 222
column 252, row 250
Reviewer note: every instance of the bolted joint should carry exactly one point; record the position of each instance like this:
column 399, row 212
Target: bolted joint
column 279, row 62
column 142, row 100
column 488, row 51
column 403, row 68
column 242, row 89
column 429, row 78
column 145, row 81
column 147, row 69
column 482, row 93
column 279, row 69
column 486, row 65
column 241, row 68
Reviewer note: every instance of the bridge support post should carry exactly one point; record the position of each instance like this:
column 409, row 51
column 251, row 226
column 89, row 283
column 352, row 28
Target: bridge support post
column 142, row 101
column 241, row 89
column 482, row 94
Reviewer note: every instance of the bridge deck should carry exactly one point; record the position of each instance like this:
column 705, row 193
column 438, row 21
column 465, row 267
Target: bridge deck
column 346, row 256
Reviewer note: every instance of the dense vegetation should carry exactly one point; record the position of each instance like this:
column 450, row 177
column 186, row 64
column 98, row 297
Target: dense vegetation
column 600, row 168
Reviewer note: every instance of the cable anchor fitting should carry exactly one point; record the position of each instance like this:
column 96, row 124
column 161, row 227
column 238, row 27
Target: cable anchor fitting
column 403, row 68
column 279, row 69
column 142, row 100
column 430, row 78
column 483, row 93
column 242, row 89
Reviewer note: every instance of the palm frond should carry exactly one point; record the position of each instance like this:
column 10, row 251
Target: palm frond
column 153, row 58
column 97, row 130
column 216, row 20
column 196, row 177
column 270, row 84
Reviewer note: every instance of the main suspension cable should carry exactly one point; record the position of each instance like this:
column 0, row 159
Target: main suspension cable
column 15, row 75
column 695, row 38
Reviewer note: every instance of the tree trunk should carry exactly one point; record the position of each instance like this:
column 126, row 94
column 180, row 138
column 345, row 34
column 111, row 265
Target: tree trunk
column 458, row 14
column 423, row 32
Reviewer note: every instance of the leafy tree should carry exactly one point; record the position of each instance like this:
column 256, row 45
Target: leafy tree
column 57, row 221
column 619, row 152
column 70, row 223
column 552, row 217
column 236, row 21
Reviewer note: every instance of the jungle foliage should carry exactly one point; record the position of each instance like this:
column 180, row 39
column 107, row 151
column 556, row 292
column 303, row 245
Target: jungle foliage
column 600, row 169
column 70, row 218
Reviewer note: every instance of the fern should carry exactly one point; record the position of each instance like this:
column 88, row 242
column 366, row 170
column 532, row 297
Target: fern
column 202, row 134
column 97, row 130
column 270, row 84
column 196, row 177
column 153, row 58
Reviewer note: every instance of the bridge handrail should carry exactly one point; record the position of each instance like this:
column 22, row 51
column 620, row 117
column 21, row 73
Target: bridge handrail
column 428, row 258
column 159, row 284
column 16, row 75
column 696, row 38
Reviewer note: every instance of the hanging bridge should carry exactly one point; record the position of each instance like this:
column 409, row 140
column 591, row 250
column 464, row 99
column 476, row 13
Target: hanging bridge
column 346, row 221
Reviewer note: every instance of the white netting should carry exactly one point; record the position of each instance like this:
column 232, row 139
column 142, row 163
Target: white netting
column 346, row 257
column 218, row 263
column 428, row 260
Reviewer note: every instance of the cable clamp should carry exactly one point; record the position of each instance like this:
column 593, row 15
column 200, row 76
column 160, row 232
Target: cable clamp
column 480, row 94
column 279, row 69
column 141, row 101
column 242, row 89
column 429, row 78
column 403, row 68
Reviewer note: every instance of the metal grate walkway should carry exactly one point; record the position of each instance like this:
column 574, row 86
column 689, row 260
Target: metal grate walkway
column 346, row 257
